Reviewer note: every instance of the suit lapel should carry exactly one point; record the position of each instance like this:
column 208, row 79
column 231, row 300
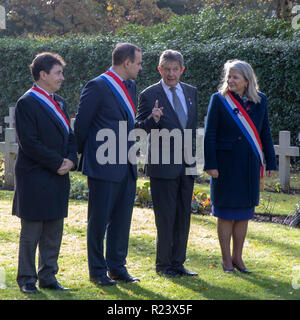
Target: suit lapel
column 188, row 100
column 55, row 120
column 167, row 104
column 189, row 103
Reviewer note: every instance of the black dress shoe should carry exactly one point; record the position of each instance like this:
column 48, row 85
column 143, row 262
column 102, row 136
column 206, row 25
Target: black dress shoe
column 169, row 273
column 103, row 280
column 243, row 270
column 184, row 272
column 227, row 270
column 54, row 286
column 29, row 288
column 123, row 277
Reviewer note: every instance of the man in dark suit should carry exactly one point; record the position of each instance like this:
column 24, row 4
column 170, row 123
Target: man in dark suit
column 170, row 182
column 106, row 110
column 47, row 152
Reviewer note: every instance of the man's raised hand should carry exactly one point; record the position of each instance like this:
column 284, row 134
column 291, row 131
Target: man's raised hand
column 157, row 112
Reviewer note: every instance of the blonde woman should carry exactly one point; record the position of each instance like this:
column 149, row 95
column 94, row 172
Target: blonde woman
column 237, row 142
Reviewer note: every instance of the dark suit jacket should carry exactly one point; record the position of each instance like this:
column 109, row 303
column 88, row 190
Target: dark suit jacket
column 40, row 193
column 99, row 108
column 226, row 149
column 168, row 121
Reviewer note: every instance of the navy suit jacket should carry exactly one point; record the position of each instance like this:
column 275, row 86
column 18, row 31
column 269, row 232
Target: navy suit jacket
column 40, row 193
column 227, row 149
column 99, row 109
column 168, row 121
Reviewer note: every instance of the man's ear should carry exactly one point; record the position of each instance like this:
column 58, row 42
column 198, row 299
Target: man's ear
column 127, row 63
column 159, row 69
column 183, row 68
column 43, row 74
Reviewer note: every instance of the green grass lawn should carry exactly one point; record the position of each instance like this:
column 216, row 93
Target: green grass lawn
column 272, row 252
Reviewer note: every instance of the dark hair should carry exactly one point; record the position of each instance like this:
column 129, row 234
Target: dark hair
column 44, row 62
column 124, row 51
column 171, row 55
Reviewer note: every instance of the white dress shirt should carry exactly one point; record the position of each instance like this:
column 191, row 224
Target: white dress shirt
column 179, row 93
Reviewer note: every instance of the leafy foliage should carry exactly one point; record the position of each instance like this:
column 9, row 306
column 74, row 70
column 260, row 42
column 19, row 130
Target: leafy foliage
column 206, row 41
column 58, row 17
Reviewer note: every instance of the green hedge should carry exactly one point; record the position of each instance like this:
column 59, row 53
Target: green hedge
column 276, row 63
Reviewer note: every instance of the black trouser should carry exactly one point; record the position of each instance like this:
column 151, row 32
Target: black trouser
column 109, row 215
column 47, row 235
column 172, row 208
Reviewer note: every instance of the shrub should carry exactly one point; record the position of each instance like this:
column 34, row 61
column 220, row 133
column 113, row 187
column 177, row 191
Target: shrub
column 79, row 189
column 206, row 40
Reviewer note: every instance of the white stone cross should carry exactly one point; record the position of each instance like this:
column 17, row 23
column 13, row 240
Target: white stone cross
column 10, row 119
column 285, row 151
column 10, row 149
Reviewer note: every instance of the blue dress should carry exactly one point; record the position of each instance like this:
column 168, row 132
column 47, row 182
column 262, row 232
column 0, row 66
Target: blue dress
column 233, row 213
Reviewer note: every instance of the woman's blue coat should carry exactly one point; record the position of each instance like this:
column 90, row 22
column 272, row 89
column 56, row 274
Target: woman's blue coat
column 227, row 149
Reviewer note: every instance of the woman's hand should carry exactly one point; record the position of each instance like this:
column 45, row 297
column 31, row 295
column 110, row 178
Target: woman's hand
column 213, row 173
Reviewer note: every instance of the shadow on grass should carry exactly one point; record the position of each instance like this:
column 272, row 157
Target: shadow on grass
column 266, row 239
column 202, row 263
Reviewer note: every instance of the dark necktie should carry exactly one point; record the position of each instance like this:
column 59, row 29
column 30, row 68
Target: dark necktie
column 127, row 83
column 178, row 108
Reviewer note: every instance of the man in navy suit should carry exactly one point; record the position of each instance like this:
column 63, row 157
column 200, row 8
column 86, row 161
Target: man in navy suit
column 106, row 102
column 171, row 184
column 47, row 152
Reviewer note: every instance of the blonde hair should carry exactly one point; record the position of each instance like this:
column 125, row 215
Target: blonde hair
column 247, row 72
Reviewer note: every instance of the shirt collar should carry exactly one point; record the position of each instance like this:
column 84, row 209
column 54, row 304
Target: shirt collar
column 114, row 72
column 36, row 85
column 166, row 87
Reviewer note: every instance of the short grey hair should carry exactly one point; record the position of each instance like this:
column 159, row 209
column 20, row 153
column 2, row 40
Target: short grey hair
column 171, row 55
column 245, row 69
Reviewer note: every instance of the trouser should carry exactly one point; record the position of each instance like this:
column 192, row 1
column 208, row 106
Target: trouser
column 172, row 209
column 109, row 214
column 47, row 235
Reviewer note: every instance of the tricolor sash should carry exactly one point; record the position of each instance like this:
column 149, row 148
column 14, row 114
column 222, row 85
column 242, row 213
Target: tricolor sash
column 119, row 89
column 244, row 122
column 51, row 106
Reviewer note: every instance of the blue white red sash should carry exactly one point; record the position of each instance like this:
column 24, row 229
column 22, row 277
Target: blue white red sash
column 245, row 123
column 119, row 89
column 51, row 106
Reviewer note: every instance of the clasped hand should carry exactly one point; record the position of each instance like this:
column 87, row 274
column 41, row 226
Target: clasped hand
column 65, row 167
